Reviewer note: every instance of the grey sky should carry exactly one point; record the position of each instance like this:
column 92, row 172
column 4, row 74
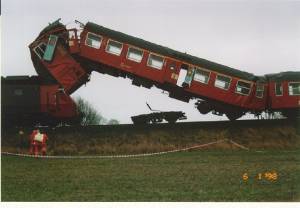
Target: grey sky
column 255, row 36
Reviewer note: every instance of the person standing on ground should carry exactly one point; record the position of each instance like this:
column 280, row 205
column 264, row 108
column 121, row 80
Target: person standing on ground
column 38, row 142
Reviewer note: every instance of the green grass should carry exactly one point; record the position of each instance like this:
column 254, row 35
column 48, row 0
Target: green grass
column 187, row 176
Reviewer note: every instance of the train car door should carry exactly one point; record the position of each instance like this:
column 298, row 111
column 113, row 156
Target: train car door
column 73, row 41
column 186, row 75
column 189, row 77
column 182, row 75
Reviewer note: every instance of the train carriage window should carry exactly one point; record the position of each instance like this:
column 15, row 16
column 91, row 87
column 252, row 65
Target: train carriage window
column 114, row 47
column 135, row 54
column 155, row 61
column 243, row 88
column 40, row 50
column 260, row 90
column 52, row 40
column 294, row 88
column 93, row 40
column 278, row 89
column 18, row 92
column 201, row 76
column 222, row 82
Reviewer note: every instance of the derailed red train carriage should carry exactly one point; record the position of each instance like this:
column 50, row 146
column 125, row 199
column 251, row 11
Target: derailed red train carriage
column 149, row 64
column 67, row 58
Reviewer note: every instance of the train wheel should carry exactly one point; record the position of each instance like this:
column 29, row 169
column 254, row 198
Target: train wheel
column 204, row 107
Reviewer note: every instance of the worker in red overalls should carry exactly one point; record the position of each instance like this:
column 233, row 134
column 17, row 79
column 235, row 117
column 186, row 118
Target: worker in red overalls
column 38, row 142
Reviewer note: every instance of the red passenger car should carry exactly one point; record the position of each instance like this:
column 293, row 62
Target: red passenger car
column 222, row 89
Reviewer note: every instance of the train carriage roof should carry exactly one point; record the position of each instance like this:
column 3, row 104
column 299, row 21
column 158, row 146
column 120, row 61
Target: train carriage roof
column 29, row 80
column 284, row 76
column 165, row 51
column 52, row 26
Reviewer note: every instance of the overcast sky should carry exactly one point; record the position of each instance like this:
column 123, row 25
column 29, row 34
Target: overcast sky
column 255, row 36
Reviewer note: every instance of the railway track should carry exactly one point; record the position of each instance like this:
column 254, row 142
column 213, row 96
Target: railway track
column 170, row 126
column 180, row 125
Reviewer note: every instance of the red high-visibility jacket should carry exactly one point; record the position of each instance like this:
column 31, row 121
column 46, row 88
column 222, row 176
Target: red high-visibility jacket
column 37, row 137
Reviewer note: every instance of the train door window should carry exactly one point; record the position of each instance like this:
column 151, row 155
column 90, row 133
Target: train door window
column 260, row 90
column 135, row 54
column 294, row 88
column 243, row 88
column 155, row 61
column 114, row 47
column 40, row 50
column 278, row 89
column 222, row 82
column 93, row 40
column 201, row 76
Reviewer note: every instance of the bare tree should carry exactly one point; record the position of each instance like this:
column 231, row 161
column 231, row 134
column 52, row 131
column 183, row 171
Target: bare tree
column 88, row 114
column 113, row 122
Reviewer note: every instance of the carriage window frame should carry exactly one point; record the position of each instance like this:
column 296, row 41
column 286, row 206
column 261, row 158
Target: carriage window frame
column 111, row 52
column 281, row 89
column 289, row 88
column 220, row 75
column 133, row 59
column 261, row 91
column 153, row 66
column 242, row 87
column 203, row 70
column 87, row 37
column 39, row 47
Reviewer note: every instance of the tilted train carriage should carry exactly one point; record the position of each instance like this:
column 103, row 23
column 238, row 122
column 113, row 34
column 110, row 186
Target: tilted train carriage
column 223, row 89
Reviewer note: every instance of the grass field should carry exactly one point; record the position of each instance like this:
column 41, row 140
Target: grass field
column 214, row 175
